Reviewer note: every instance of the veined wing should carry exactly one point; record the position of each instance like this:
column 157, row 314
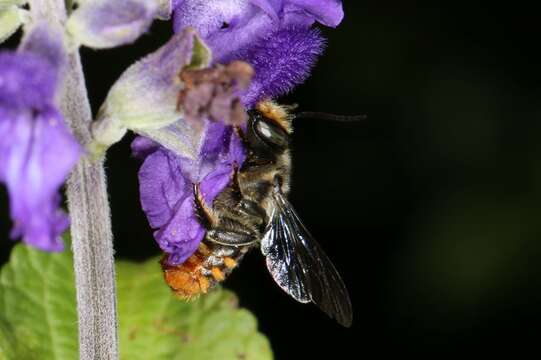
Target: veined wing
column 300, row 267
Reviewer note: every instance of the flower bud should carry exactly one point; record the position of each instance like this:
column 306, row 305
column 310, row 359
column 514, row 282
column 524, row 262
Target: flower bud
column 144, row 98
column 104, row 24
column 165, row 8
column 7, row 3
column 11, row 17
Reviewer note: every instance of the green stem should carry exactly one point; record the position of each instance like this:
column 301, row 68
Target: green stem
column 88, row 205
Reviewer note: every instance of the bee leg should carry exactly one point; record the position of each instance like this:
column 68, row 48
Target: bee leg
column 206, row 215
column 251, row 209
column 242, row 136
column 235, row 185
column 230, row 237
column 245, row 207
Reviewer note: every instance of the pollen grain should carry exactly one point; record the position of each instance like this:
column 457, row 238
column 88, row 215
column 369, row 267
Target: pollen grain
column 229, row 262
column 217, row 274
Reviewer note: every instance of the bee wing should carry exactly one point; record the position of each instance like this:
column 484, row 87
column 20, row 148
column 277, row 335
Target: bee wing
column 300, row 267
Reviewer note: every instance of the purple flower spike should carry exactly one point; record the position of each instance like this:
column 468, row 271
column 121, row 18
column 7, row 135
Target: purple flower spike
column 166, row 186
column 37, row 151
column 274, row 36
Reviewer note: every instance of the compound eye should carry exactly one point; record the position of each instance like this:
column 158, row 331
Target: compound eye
column 271, row 133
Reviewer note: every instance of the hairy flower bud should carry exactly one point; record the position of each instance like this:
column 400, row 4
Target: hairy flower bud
column 105, row 24
column 145, row 97
column 165, row 8
column 11, row 17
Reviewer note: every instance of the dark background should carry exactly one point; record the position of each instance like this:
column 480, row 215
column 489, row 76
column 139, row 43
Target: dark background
column 429, row 208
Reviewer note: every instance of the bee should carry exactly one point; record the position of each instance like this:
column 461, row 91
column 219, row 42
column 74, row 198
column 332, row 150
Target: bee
column 253, row 211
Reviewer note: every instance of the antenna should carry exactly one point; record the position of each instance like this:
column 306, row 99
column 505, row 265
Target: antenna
column 330, row 117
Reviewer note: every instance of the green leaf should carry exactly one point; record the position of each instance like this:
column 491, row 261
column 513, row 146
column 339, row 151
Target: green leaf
column 38, row 317
column 37, row 305
column 156, row 325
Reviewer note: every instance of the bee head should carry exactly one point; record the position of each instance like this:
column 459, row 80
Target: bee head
column 265, row 136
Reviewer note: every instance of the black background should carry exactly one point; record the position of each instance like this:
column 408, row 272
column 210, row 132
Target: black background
column 429, row 208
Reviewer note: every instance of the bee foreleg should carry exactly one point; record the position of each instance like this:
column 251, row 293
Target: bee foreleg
column 235, row 185
column 230, row 237
column 204, row 213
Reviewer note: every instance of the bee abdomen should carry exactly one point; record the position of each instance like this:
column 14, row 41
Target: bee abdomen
column 202, row 271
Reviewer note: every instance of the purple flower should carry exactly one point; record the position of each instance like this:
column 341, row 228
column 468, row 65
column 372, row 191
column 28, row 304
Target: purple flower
column 274, row 36
column 184, row 111
column 166, row 185
column 37, row 150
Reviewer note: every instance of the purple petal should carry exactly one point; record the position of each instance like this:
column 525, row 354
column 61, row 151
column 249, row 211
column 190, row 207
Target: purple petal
column 216, row 138
column 236, row 153
column 215, row 182
column 141, row 147
column 166, row 186
column 231, row 25
column 244, row 22
column 270, row 7
column 37, row 151
column 326, row 12
column 244, row 32
column 36, row 155
column 46, row 43
column 162, row 187
column 28, row 78
column 281, row 61
column 182, row 235
column 208, row 16
column 26, row 81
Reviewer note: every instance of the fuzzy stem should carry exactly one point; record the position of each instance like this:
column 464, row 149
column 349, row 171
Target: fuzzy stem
column 88, row 205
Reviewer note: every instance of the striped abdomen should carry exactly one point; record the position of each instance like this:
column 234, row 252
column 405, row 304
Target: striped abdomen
column 208, row 266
